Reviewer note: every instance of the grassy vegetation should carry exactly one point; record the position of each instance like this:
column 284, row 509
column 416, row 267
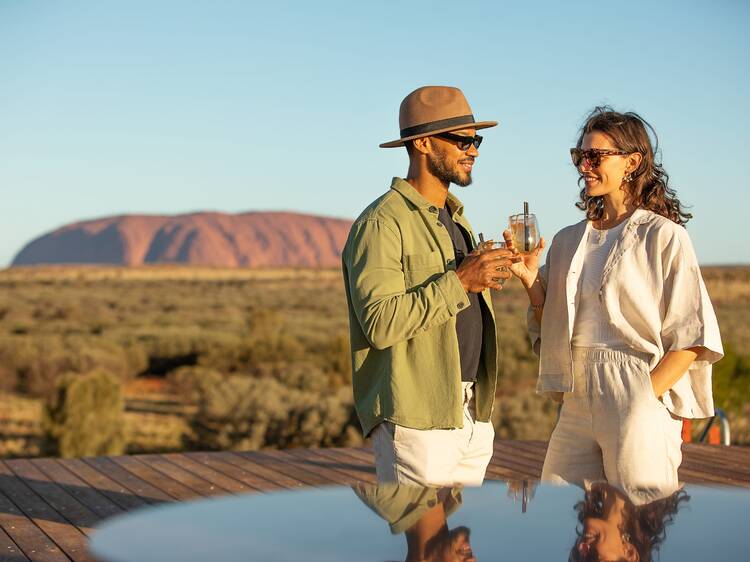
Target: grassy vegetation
column 213, row 358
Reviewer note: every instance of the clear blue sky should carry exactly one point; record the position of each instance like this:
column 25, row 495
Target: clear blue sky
column 168, row 107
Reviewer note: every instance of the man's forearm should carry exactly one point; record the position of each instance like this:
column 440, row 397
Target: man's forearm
column 391, row 319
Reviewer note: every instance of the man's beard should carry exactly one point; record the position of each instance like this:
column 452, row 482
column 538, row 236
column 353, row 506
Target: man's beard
column 438, row 167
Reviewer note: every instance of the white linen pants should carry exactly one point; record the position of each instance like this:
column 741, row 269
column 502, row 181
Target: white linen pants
column 435, row 457
column 613, row 427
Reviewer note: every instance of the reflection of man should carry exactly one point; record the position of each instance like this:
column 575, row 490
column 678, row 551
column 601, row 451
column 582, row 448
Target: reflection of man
column 421, row 514
column 424, row 349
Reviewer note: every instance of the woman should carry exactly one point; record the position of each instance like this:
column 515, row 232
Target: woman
column 613, row 527
column 621, row 318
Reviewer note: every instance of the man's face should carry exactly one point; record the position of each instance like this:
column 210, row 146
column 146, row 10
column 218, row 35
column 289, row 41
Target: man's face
column 456, row 547
column 450, row 164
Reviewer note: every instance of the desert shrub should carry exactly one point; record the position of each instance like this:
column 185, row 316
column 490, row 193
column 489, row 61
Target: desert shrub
column 335, row 357
column 30, row 365
column 84, row 416
column 525, row 415
column 245, row 413
column 37, row 362
column 184, row 381
column 731, row 381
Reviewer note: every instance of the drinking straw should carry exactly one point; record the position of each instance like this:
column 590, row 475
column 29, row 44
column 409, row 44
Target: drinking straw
column 526, row 226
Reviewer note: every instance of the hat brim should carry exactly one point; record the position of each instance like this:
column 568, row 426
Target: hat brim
column 477, row 126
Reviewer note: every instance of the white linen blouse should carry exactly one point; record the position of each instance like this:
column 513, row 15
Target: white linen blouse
column 653, row 295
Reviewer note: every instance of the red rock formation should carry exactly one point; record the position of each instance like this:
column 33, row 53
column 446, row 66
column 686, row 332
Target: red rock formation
column 255, row 239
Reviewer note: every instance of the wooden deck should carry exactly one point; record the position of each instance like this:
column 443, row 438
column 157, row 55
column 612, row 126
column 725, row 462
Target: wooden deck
column 48, row 507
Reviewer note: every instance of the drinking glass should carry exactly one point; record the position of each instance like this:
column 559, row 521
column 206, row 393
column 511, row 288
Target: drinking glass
column 524, row 230
column 495, row 244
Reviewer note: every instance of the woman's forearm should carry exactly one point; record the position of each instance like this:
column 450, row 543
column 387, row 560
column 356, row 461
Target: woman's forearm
column 536, row 293
column 671, row 369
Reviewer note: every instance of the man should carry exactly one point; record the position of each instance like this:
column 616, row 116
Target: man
column 422, row 329
column 422, row 515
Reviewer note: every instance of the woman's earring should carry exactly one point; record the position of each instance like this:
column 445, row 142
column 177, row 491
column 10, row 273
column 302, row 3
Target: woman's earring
column 628, row 178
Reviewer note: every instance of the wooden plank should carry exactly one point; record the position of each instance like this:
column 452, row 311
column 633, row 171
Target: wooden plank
column 250, row 461
column 721, row 457
column 351, row 472
column 711, row 468
column 335, row 471
column 186, row 478
column 527, row 464
column 56, row 497
column 329, row 470
column 218, row 462
column 142, row 489
column 295, row 467
column 35, row 545
column 362, row 460
column 533, row 448
column 67, row 537
column 97, row 502
column 9, row 551
column 495, row 471
column 690, row 476
column 217, row 479
column 514, row 451
column 155, row 478
column 114, row 491
column 517, row 463
column 703, row 475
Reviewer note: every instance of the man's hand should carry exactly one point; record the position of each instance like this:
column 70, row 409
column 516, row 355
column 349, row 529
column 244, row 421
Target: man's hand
column 480, row 271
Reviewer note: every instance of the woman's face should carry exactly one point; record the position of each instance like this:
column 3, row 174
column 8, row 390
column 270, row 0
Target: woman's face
column 607, row 177
column 604, row 537
column 602, row 533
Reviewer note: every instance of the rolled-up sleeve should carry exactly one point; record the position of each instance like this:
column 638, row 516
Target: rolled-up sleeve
column 532, row 324
column 387, row 313
column 689, row 318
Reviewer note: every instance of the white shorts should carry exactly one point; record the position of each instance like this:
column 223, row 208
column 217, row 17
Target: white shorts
column 613, row 427
column 435, row 457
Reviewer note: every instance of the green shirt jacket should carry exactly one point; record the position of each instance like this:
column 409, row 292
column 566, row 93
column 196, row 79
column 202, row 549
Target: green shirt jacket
column 402, row 506
column 403, row 296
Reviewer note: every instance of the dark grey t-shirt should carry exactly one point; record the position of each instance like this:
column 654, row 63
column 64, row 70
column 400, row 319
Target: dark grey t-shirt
column 469, row 320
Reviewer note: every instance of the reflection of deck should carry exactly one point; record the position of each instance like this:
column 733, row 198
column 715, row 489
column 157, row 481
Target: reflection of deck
column 49, row 506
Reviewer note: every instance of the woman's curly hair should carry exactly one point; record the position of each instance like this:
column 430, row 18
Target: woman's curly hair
column 645, row 524
column 649, row 186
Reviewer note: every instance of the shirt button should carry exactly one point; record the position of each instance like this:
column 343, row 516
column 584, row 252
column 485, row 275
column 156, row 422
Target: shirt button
column 460, row 305
column 432, row 209
column 440, row 223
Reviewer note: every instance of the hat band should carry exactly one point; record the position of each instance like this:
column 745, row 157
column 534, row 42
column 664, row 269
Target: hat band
column 437, row 125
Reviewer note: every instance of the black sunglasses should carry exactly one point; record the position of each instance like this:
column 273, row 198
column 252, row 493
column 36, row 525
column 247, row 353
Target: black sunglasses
column 464, row 142
column 593, row 155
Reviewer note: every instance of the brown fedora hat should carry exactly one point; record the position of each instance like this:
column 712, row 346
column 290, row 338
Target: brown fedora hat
column 431, row 110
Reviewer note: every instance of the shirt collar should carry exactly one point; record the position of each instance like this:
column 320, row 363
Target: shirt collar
column 641, row 216
column 408, row 192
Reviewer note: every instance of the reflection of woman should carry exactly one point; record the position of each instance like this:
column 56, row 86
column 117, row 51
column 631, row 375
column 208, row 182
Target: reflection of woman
column 613, row 528
column 619, row 315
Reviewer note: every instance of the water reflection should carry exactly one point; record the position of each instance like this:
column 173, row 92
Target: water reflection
column 422, row 515
column 612, row 525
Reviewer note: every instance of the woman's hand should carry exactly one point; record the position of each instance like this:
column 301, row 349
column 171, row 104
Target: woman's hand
column 524, row 266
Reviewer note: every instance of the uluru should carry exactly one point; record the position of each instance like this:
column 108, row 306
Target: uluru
column 252, row 239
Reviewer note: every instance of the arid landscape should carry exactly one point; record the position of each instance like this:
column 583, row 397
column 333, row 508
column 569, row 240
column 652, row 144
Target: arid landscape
column 215, row 358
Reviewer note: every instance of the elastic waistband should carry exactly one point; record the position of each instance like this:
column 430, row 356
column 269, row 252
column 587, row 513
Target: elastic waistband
column 608, row 354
